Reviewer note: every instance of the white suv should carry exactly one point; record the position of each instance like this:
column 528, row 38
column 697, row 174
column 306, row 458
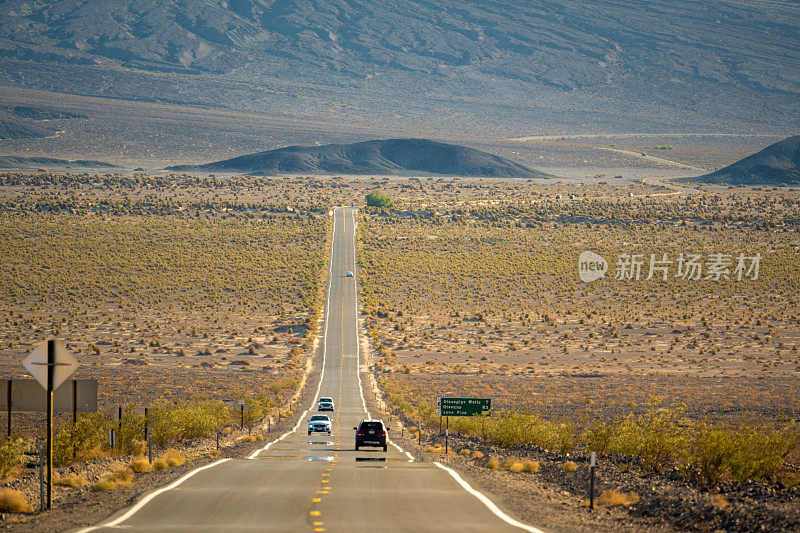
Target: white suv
column 319, row 424
column 325, row 404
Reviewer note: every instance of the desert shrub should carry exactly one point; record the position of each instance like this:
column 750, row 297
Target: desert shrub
column 14, row 501
column 379, row 199
column 187, row 420
column 719, row 501
column 531, row 466
column 140, row 465
column 80, row 441
column 12, row 456
column 657, row 437
column 759, row 451
column 598, row 436
column 512, row 465
column 748, row 452
column 711, row 453
column 569, row 466
column 122, row 476
column 71, row 480
column 611, row 498
column 492, row 463
column 172, row 458
column 130, row 429
column 103, row 484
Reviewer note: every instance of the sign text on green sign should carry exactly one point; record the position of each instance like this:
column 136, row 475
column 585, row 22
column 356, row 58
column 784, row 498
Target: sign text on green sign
column 465, row 406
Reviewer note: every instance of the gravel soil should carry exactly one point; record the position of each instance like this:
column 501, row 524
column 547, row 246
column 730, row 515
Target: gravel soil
column 557, row 500
column 76, row 507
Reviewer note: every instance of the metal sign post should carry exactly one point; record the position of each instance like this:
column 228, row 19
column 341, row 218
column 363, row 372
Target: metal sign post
column 8, row 403
column 51, row 367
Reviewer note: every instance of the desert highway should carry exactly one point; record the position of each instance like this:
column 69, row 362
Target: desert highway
column 319, row 482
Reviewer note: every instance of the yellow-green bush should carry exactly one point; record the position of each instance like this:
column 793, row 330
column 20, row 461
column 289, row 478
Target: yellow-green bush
column 12, row 455
column 658, row 437
column 661, row 438
column 70, row 480
column 81, row 441
column 173, row 422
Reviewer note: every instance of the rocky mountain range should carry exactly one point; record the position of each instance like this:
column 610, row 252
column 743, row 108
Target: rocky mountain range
column 431, row 68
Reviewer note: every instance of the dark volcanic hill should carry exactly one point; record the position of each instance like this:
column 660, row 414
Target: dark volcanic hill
column 384, row 157
column 433, row 68
column 15, row 161
column 775, row 164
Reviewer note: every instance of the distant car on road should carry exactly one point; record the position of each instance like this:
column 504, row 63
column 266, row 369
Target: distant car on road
column 349, row 274
column 325, row 404
column 319, row 424
column 371, row 433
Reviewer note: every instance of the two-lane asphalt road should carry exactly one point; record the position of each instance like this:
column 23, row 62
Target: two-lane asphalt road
column 319, row 482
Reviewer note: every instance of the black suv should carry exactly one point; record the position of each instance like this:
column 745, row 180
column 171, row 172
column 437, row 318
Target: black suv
column 371, row 433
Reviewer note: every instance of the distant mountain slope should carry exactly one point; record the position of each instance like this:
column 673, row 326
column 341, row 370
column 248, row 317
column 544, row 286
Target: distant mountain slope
column 15, row 161
column 446, row 66
column 14, row 127
column 775, row 164
column 384, row 157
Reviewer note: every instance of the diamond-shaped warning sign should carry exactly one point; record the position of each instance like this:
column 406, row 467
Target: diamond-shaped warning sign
column 63, row 363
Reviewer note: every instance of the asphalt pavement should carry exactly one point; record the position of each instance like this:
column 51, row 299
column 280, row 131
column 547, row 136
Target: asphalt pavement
column 319, row 482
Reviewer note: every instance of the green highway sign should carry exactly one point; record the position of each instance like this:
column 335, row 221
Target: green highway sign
column 465, row 406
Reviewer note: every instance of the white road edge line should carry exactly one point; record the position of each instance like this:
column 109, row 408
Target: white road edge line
column 486, row 501
column 466, row 486
column 253, row 455
column 144, row 501
column 358, row 344
column 324, row 352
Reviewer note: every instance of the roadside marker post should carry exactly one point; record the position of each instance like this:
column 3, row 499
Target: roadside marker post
column 74, row 403
column 119, row 422
column 8, row 400
column 217, row 440
column 592, row 462
column 149, row 448
column 42, row 501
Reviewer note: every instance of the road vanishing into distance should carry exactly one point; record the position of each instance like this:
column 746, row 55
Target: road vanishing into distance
column 319, row 482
